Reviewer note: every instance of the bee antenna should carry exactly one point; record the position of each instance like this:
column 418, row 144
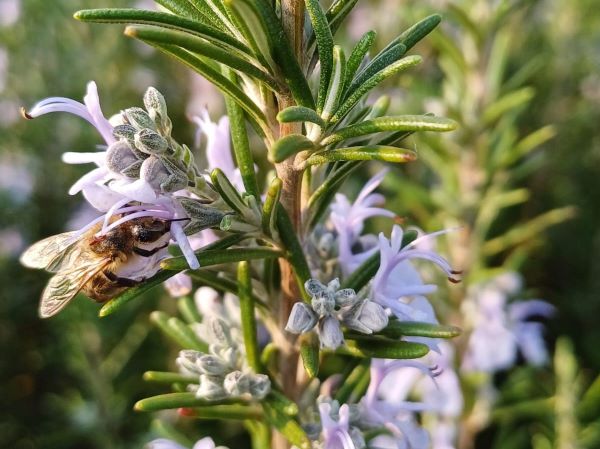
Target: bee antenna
column 177, row 219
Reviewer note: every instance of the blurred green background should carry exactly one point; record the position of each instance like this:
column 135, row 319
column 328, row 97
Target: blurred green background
column 70, row 382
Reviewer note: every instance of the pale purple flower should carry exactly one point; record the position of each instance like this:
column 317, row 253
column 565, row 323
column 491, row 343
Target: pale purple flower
column 108, row 191
column 162, row 443
column 442, row 398
column 348, row 220
column 336, row 434
column 218, row 146
column 395, row 416
column 500, row 330
column 10, row 10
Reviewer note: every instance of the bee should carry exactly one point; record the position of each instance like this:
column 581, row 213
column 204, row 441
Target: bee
column 100, row 266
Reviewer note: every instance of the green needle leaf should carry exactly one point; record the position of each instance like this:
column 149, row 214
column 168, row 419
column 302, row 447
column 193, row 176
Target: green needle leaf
column 187, row 309
column 366, row 153
column 355, row 377
column 324, row 45
column 358, row 55
column 196, row 45
column 398, row 329
column 336, row 83
column 241, row 146
column 288, row 146
column 300, row 114
column 268, row 221
column 248, row 317
column 397, row 123
column 178, row 331
column 338, row 11
column 309, row 351
column 227, row 191
column 276, row 415
column 354, row 96
column 176, row 22
column 178, row 400
column 417, row 32
column 380, row 62
column 283, row 54
column 217, row 257
column 169, row 378
column 383, row 349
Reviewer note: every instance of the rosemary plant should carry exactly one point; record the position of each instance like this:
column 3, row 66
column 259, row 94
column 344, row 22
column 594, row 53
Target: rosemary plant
column 288, row 285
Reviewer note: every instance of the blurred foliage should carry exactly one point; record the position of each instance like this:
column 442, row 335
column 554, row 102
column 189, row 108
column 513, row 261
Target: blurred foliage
column 71, row 382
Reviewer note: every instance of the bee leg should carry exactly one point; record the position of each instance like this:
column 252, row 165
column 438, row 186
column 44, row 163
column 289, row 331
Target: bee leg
column 123, row 282
column 148, row 252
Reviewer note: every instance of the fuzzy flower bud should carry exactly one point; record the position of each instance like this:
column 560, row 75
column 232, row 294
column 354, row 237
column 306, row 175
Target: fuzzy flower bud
column 302, row 319
column 119, row 157
column 211, row 387
column 212, row 365
column 157, row 110
column 187, row 361
column 139, row 118
column 237, row 383
column 366, row 317
column 260, row 386
column 150, row 142
column 330, row 333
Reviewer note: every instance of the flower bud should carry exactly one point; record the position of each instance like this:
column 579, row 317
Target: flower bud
column 211, row 387
column 333, row 285
column 211, row 365
column 139, row 119
column 202, row 216
column 237, row 383
column 314, row 287
column 177, row 179
column 366, row 317
column 330, row 333
column 126, row 132
column 345, row 297
column 187, row 361
column 218, row 332
column 230, row 355
column 150, row 142
column 260, row 386
column 157, row 109
column 154, row 172
column 120, row 157
column 323, row 305
column 302, row 319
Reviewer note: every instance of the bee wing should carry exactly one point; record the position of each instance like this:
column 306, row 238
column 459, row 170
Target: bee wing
column 65, row 284
column 50, row 253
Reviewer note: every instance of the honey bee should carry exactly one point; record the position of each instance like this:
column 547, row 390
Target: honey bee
column 100, row 266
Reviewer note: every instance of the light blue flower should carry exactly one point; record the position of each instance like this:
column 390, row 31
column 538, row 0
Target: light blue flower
column 500, row 330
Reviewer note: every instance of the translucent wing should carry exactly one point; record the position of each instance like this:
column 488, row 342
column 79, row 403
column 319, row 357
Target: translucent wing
column 52, row 253
column 63, row 287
